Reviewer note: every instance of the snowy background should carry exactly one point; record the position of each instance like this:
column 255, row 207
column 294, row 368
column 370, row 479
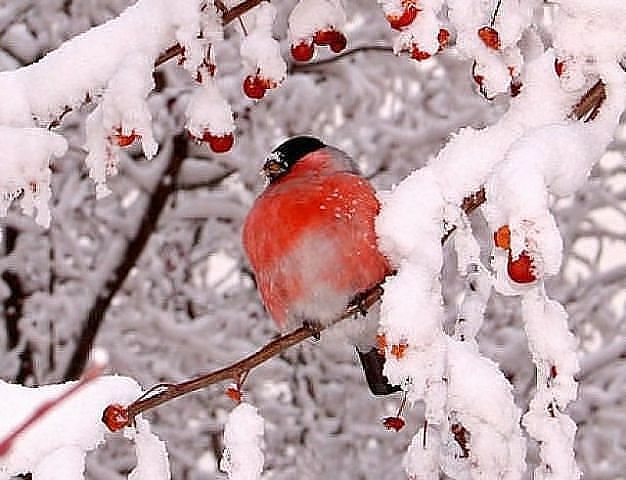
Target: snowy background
column 156, row 271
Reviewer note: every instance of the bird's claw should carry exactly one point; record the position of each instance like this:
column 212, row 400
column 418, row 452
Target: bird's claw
column 314, row 327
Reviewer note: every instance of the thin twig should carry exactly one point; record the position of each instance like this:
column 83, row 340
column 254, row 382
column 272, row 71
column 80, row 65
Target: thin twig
column 241, row 368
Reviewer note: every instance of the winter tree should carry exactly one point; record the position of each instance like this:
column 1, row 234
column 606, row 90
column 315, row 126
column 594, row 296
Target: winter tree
column 131, row 138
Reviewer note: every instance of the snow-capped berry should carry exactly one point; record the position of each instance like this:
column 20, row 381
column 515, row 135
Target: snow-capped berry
column 398, row 22
column 418, row 54
column 219, row 143
column 502, row 237
column 325, row 37
column 124, row 140
column 254, row 87
column 490, row 37
column 393, row 423
column 559, row 67
column 303, row 51
column 479, row 79
column 521, row 269
column 443, row 37
column 339, row 44
column 115, row 417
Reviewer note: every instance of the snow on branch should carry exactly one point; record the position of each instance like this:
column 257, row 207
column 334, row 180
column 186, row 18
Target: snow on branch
column 54, row 445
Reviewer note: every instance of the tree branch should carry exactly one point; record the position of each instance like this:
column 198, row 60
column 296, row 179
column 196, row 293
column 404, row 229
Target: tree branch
column 132, row 253
column 162, row 393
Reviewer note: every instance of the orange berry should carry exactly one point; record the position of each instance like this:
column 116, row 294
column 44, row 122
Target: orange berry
column 398, row 350
column 490, row 37
column 502, row 237
column 234, row 394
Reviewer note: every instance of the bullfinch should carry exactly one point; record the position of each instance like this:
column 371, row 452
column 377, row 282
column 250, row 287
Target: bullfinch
column 311, row 241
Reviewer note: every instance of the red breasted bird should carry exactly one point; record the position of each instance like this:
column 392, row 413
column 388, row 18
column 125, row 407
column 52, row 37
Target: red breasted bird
column 311, row 241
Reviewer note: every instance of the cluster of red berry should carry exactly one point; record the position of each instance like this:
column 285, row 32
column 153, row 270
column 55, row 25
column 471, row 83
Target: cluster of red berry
column 333, row 39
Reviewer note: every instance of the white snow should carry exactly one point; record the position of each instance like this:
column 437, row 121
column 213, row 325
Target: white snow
column 243, row 438
column 310, row 16
column 56, row 444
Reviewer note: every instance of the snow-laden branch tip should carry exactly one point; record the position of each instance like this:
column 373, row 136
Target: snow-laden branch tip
column 57, row 442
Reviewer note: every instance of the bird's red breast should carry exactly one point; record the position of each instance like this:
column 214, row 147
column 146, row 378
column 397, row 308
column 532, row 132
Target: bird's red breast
column 311, row 241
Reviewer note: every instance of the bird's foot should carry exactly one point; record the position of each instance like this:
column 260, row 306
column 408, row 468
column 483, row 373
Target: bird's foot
column 359, row 302
column 314, row 326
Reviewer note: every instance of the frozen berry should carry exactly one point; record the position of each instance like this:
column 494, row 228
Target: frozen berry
column 502, row 237
column 490, row 37
column 521, row 269
column 115, row 417
column 234, row 394
column 479, row 79
column 219, row 143
column 339, row 43
column 398, row 350
column 303, row 51
column 443, row 37
column 559, row 67
column 124, row 140
column 398, row 22
column 393, row 423
column 254, row 87
column 418, row 54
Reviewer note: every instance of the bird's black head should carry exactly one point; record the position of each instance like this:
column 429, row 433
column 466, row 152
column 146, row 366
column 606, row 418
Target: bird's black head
column 283, row 157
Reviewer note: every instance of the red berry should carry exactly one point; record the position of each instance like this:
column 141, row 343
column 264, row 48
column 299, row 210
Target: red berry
column 490, row 37
column 124, row 140
column 559, row 67
column 115, row 417
column 254, row 87
column 398, row 350
column 479, row 79
column 303, row 51
column 398, row 22
column 234, row 394
column 443, row 37
column 502, row 237
column 418, row 54
column 324, row 37
column 393, row 423
column 219, row 143
column 339, row 43
column 521, row 269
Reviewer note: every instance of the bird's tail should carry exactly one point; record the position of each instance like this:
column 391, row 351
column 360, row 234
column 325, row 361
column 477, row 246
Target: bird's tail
column 373, row 362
